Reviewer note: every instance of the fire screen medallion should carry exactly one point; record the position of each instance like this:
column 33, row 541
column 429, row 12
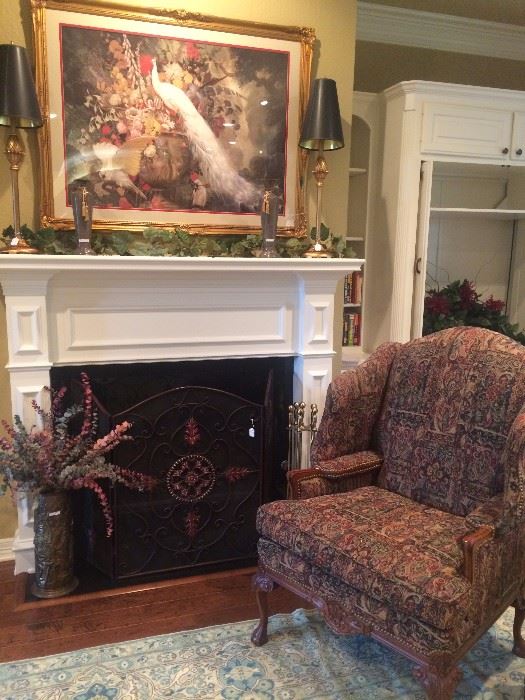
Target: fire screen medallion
column 191, row 478
column 206, row 449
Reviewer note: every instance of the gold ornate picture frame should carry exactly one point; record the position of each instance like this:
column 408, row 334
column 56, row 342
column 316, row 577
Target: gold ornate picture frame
column 172, row 118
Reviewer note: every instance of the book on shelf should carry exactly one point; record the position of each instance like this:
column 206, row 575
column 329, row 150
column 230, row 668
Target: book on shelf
column 353, row 287
column 351, row 329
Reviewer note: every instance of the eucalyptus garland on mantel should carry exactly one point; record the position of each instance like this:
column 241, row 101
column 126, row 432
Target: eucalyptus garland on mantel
column 173, row 242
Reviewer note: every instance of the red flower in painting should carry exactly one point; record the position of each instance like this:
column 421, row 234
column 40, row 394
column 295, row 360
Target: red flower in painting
column 217, row 125
column 124, row 203
column 192, row 52
column 106, row 130
column 145, row 64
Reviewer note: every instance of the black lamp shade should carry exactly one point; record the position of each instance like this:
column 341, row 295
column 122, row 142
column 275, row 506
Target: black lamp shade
column 18, row 101
column 322, row 123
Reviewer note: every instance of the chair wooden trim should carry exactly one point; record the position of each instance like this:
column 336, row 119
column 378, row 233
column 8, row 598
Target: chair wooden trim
column 438, row 673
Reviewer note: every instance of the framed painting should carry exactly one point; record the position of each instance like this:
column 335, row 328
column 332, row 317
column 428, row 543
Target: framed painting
column 169, row 118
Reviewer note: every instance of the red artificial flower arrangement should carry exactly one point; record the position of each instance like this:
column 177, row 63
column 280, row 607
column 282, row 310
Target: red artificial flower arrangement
column 458, row 304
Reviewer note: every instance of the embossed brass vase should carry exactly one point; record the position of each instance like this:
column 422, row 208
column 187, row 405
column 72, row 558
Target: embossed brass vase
column 54, row 575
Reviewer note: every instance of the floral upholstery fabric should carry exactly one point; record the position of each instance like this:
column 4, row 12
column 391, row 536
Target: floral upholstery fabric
column 346, row 464
column 353, row 403
column 337, row 475
column 446, row 415
column 364, row 608
column 394, row 550
column 489, row 513
column 451, row 401
column 514, row 460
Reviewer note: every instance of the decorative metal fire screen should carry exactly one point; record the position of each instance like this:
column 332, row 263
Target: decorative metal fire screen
column 215, row 450
column 205, row 448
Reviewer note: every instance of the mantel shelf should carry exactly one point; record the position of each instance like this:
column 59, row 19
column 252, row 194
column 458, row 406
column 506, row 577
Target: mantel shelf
column 460, row 212
column 155, row 264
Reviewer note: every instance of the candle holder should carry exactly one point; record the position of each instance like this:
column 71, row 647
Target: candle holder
column 269, row 214
column 82, row 203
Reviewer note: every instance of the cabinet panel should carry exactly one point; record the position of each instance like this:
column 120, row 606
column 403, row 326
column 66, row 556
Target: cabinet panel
column 517, row 152
column 460, row 130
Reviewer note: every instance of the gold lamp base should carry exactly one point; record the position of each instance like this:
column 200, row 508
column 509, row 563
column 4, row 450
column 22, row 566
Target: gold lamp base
column 17, row 246
column 318, row 250
column 15, row 154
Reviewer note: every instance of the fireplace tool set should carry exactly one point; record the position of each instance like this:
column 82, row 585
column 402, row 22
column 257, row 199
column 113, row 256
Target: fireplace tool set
column 296, row 429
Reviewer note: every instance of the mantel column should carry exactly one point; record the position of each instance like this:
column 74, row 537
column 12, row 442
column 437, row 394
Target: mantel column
column 28, row 365
column 315, row 348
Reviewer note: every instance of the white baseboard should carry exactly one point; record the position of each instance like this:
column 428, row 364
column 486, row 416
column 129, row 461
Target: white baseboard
column 6, row 549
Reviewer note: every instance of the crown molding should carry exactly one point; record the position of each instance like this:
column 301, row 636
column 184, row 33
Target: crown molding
column 431, row 30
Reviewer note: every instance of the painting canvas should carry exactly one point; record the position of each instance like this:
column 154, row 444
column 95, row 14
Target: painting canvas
column 169, row 124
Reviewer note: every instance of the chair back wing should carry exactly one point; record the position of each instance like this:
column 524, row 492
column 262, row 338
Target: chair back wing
column 352, row 406
column 451, row 400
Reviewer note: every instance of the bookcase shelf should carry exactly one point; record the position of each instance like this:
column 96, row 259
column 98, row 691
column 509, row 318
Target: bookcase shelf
column 463, row 212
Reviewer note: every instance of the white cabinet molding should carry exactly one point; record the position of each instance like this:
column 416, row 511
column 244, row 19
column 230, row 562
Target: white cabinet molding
column 432, row 30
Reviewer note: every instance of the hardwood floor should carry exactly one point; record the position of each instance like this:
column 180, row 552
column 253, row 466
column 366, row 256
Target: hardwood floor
column 38, row 628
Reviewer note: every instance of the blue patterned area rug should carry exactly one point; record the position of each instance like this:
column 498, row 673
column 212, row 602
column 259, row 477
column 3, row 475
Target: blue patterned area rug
column 303, row 660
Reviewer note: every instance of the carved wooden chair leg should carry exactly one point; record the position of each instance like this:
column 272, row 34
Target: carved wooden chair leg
column 439, row 685
column 262, row 584
column 519, row 642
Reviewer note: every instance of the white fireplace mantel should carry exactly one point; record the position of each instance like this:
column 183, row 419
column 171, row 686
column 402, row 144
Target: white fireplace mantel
column 73, row 310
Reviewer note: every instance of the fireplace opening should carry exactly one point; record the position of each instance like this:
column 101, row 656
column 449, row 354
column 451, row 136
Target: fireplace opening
column 213, row 434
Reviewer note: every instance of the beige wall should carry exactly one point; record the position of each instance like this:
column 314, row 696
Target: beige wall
column 509, row 11
column 334, row 23
column 378, row 66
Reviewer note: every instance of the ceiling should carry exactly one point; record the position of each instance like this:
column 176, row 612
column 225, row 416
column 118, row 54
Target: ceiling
column 507, row 11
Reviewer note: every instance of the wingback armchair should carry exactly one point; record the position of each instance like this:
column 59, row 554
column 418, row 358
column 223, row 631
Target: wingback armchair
column 410, row 525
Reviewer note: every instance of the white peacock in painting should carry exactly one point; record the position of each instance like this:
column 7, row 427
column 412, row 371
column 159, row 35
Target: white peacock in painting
column 214, row 163
column 118, row 164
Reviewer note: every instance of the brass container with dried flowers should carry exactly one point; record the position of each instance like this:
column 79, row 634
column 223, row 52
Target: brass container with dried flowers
column 49, row 462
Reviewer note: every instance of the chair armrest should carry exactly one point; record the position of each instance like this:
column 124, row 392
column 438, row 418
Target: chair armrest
column 338, row 475
column 353, row 403
column 489, row 513
column 471, row 544
column 514, row 463
column 485, row 521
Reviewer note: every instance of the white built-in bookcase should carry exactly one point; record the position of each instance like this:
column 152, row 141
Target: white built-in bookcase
column 449, row 202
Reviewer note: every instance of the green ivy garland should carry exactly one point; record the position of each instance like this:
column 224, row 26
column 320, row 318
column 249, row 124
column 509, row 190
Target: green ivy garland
column 173, row 242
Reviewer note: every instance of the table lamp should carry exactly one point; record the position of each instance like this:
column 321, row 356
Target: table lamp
column 321, row 131
column 18, row 109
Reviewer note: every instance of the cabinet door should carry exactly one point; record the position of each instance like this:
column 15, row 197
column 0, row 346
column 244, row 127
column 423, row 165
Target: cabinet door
column 517, row 152
column 459, row 130
column 420, row 264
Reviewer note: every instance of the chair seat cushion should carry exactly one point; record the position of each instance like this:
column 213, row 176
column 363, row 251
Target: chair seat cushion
column 395, row 550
